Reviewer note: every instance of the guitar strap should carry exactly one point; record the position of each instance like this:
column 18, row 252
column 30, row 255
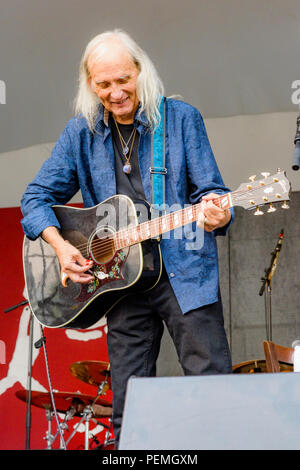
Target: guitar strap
column 158, row 169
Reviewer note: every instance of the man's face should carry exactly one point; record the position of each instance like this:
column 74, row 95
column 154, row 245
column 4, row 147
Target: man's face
column 113, row 79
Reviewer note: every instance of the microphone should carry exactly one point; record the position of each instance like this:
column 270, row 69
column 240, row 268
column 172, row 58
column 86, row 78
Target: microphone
column 269, row 272
column 275, row 254
column 296, row 160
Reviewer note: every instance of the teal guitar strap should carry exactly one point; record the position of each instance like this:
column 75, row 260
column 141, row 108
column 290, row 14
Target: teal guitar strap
column 158, row 169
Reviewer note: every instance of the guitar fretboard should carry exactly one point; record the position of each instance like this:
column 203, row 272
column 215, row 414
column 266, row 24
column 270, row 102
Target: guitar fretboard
column 157, row 226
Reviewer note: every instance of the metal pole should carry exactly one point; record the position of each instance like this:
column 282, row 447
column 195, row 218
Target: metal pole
column 29, row 381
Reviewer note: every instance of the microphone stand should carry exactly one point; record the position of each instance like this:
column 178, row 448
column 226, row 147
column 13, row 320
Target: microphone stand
column 266, row 287
column 29, row 374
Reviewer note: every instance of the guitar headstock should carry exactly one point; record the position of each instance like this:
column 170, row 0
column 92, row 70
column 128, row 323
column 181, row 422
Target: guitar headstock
column 266, row 191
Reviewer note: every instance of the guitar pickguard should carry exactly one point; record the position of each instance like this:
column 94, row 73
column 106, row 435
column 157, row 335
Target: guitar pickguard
column 103, row 274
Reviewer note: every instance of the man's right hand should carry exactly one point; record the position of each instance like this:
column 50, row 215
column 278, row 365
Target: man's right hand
column 72, row 262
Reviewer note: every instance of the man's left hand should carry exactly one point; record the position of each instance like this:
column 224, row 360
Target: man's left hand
column 212, row 216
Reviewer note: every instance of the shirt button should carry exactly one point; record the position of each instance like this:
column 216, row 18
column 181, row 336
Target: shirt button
column 172, row 275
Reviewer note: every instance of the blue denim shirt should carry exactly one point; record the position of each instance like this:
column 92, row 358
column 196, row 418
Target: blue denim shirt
column 85, row 160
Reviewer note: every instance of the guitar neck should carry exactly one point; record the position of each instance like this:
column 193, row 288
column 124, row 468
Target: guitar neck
column 155, row 227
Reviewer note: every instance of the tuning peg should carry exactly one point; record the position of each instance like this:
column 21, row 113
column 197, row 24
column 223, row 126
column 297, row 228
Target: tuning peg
column 252, row 178
column 285, row 205
column 271, row 208
column 265, row 175
column 258, row 211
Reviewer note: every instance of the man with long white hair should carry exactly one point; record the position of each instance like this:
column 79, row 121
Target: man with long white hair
column 105, row 149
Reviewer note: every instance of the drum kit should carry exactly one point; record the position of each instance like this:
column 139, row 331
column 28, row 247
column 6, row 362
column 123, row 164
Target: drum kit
column 70, row 404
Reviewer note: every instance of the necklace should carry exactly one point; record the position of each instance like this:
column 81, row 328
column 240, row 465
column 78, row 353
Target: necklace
column 125, row 149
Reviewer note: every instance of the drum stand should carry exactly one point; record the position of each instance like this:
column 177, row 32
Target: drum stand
column 102, row 389
column 107, row 440
column 49, row 438
column 87, row 415
column 104, row 386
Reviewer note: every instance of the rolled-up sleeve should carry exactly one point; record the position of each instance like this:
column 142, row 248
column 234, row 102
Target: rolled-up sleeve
column 55, row 183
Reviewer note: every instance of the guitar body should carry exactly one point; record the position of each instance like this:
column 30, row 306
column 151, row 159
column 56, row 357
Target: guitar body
column 117, row 273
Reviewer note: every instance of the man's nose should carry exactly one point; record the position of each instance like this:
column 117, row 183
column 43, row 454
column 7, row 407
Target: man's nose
column 116, row 92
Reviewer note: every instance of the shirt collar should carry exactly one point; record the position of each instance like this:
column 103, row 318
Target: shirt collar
column 103, row 115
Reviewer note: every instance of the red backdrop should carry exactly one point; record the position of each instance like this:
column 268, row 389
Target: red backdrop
column 64, row 347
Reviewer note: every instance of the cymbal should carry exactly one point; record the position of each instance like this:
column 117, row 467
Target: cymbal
column 92, row 372
column 66, row 400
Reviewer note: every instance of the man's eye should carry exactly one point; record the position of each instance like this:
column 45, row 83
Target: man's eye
column 101, row 85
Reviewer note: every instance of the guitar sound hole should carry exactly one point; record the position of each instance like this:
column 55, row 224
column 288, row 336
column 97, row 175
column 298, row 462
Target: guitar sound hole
column 101, row 245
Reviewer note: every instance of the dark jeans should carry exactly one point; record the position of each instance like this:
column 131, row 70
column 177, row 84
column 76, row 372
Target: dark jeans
column 135, row 328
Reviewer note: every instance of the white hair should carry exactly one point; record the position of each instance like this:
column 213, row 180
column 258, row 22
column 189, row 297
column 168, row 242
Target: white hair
column 149, row 86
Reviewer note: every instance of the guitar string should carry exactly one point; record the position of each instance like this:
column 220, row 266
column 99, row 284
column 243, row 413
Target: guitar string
column 250, row 191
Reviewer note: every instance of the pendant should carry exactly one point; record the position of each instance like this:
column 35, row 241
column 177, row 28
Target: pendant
column 127, row 168
column 125, row 150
